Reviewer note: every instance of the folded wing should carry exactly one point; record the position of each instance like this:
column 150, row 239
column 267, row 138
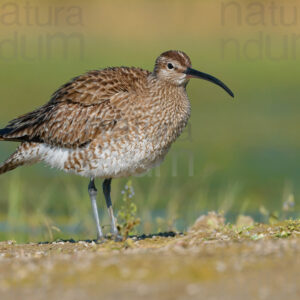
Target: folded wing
column 80, row 110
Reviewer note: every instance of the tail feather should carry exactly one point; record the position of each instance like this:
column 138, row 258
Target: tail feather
column 26, row 153
column 2, row 133
column 10, row 165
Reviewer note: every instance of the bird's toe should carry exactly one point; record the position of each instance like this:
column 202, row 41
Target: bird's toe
column 118, row 238
column 100, row 240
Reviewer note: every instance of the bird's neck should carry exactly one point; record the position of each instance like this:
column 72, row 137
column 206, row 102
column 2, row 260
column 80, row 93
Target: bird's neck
column 166, row 91
column 171, row 104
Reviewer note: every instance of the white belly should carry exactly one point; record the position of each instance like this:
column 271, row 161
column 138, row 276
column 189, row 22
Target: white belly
column 106, row 162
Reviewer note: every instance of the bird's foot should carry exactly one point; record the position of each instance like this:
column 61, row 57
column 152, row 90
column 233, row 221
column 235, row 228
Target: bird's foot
column 115, row 236
column 118, row 238
column 100, row 240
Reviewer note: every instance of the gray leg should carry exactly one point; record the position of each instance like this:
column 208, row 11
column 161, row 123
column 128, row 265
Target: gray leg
column 93, row 196
column 106, row 191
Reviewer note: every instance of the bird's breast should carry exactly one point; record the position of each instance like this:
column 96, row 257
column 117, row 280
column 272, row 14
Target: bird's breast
column 170, row 120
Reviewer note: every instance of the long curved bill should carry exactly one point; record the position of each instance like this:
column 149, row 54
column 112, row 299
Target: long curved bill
column 197, row 74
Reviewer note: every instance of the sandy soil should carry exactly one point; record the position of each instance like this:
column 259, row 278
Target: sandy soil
column 210, row 261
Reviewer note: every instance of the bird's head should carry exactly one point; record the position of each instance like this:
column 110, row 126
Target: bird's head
column 175, row 67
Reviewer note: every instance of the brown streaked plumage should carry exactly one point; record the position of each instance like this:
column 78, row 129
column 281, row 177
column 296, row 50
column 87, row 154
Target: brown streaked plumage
column 108, row 123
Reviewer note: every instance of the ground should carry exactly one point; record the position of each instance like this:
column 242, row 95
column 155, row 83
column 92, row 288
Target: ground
column 211, row 261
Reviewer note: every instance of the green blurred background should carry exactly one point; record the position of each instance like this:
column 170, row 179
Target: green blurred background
column 238, row 156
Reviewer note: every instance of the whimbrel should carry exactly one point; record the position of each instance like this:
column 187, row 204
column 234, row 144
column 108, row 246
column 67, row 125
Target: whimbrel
column 108, row 123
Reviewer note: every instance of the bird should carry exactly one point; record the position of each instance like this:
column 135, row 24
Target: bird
column 108, row 123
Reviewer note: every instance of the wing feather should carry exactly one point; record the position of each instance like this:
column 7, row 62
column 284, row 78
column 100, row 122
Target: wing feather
column 80, row 110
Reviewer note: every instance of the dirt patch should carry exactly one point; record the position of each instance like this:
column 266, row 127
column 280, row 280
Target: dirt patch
column 211, row 261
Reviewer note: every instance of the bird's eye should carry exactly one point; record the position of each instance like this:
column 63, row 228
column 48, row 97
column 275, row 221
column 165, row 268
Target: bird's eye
column 170, row 66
